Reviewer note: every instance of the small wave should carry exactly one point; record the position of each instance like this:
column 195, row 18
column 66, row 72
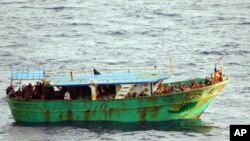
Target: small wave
column 68, row 17
column 142, row 32
column 240, row 52
column 233, row 64
column 67, row 61
column 107, row 139
column 84, row 24
column 59, row 8
column 244, row 23
column 245, row 90
column 62, row 67
column 15, row 2
column 117, row 33
column 101, row 43
column 213, row 53
column 160, row 13
column 62, row 35
column 244, row 51
column 191, row 64
column 221, row 18
column 56, row 8
column 231, row 44
column 6, row 54
column 49, row 60
column 216, row 5
column 27, row 7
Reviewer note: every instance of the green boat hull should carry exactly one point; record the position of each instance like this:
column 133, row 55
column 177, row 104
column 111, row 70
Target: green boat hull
column 181, row 105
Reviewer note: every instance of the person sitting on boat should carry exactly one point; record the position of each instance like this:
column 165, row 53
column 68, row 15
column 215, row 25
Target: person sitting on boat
column 134, row 94
column 199, row 85
column 18, row 94
column 207, row 81
column 100, row 93
column 166, row 89
column 38, row 90
column 26, row 91
column 158, row 92
column 67, row 96
column 182, row 87
column 9, row 89
column 31, row 88
column 192, row 86
column 142, row 94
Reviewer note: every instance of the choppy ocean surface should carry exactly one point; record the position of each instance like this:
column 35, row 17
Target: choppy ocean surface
column 65, row 34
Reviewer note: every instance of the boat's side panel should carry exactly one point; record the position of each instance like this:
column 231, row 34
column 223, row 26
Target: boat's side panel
column 182, row 105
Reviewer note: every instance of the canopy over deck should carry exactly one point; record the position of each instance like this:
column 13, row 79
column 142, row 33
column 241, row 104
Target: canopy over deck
column 83, row 78
column 104, row 79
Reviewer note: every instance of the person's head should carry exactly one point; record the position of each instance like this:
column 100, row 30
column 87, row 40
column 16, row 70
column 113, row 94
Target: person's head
column 38, row 83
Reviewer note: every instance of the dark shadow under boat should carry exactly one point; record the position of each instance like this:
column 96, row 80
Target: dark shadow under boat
column 186, row 125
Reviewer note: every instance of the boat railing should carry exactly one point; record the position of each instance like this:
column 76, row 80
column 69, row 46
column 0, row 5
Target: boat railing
column 27, row 74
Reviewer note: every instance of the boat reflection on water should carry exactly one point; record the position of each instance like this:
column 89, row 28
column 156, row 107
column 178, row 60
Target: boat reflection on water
column 186, row 125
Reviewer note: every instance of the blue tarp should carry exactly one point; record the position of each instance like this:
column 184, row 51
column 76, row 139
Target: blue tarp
column 89, row 79
column 27, row 75
column 109, row 78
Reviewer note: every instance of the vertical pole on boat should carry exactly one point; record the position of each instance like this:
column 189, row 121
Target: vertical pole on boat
column 43, row 73
column 221, row 65
column 93, row 88
column 20, row 84
column 11, row 75
column 171, row 69
column 155, row 69
column 151, row 88
column 28, row 72
column 71, row 75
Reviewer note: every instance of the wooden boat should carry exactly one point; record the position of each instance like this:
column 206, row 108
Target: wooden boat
column 126, row 97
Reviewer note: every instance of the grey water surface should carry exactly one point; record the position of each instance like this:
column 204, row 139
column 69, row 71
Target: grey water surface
column 106, row 34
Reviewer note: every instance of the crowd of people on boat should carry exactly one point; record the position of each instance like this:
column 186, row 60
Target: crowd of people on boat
column 42, row 90
column 37, row 91
column 170, row 88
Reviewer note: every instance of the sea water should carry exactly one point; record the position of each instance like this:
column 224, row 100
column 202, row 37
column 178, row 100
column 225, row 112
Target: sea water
column 106, row 34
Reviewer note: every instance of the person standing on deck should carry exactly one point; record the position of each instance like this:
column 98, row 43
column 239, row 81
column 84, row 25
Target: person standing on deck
column 67, row 96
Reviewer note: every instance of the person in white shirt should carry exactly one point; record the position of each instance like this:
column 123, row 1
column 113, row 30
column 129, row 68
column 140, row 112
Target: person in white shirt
column 67, row 96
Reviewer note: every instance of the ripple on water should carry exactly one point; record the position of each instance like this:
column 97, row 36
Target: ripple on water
column 82, row 34
column 218, row 53
column 59, row 8
column 161, row 13
column 244, row 23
